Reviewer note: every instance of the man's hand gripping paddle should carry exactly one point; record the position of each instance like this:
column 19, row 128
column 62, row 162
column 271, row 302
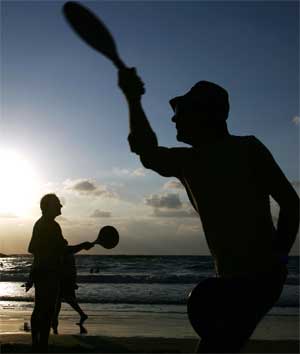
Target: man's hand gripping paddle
column 108, row 237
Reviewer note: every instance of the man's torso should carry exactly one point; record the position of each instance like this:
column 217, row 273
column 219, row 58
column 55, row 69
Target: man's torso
column 47, row 245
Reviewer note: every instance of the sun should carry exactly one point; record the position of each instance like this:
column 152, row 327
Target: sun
column 18, row 184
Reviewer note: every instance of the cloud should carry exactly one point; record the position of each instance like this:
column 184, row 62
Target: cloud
column 160, row 236
column 181, row 213
column 173, row 185
column 139, row 172
column 8, row 216
column 100, row 214
column 84, row 186
column 88, row 187
column 169, row 201
column 63, row 219
column 121, row 171
column 296, row 120
column 169, row 205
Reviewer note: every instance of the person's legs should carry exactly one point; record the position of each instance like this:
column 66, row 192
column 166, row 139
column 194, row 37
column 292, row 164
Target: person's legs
column 46, row 293
column 36, row 316
column 68, row 293
column 35, row 325
column 49, row 310
column 54, row 322
column 214, row 346
column 225, row 312
column 74, row 304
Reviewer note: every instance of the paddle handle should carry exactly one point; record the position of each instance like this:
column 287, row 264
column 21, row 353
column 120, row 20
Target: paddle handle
column 118, row 62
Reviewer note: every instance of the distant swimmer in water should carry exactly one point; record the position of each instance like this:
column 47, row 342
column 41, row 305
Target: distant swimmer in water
column 229, row 181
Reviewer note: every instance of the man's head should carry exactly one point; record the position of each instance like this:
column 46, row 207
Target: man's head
column 50, row 205
column 201, row 113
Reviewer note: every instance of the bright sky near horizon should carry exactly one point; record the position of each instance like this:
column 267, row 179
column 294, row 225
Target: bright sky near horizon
column 64, row 121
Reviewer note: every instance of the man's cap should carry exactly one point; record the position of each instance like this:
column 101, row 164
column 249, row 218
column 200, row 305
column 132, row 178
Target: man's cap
column 206, row 95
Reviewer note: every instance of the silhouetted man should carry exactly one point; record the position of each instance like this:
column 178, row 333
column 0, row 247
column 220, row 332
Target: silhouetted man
column 229, row 180
column 49, row 249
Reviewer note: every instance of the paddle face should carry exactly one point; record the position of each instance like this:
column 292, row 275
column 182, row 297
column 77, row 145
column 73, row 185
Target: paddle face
column 214, row 305
column 108, row 237
column 201, row 310
column 92, row 31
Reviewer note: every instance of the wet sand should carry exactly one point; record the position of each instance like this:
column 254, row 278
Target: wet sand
column 140, row 332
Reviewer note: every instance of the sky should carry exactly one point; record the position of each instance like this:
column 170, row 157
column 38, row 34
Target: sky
column 64, row 121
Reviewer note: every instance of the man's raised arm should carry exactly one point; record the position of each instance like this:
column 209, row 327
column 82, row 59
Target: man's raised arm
column 142, row 139
column 141, row 136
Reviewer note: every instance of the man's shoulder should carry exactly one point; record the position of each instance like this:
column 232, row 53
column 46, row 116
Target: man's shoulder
column 244, row 138
column 253, row 142
column 39, row 223
column 249, row 142
column 163, row 152
column 181, row 154
column 56, row 224
column 181, row 149
column 43, row 223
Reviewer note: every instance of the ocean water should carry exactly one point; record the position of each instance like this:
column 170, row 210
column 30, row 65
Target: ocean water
column 133, row 283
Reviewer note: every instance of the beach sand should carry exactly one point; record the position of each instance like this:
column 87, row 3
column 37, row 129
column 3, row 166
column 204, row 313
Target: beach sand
column 140, row 332
column 20, row 343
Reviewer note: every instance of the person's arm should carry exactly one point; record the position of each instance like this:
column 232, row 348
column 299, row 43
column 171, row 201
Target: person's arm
column 288, row 220
column 142, row 139
column 141, row 136
column 29, row 283
column 34, row 238
column 63, row 243
column 81, row 246
column 284, row 194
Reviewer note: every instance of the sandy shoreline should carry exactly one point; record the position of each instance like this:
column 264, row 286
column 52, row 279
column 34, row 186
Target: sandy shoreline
column 144, row 324
column 139, row 332
column 20, row 343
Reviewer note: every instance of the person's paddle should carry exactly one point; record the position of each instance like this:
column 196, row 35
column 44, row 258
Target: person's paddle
column 92, row 30
column 108, row 237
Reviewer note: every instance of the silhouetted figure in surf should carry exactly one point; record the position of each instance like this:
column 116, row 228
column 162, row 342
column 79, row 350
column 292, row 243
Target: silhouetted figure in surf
column 68, row 285
column 49, row 248
column 229, row 180
column 67, row 289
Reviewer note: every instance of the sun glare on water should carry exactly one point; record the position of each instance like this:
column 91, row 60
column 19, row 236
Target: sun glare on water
column 18, row 184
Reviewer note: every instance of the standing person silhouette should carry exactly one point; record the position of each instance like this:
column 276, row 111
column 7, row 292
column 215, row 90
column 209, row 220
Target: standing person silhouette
column 229, row 180
column 49, row 249
column 67, row 287
column 67, row 292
